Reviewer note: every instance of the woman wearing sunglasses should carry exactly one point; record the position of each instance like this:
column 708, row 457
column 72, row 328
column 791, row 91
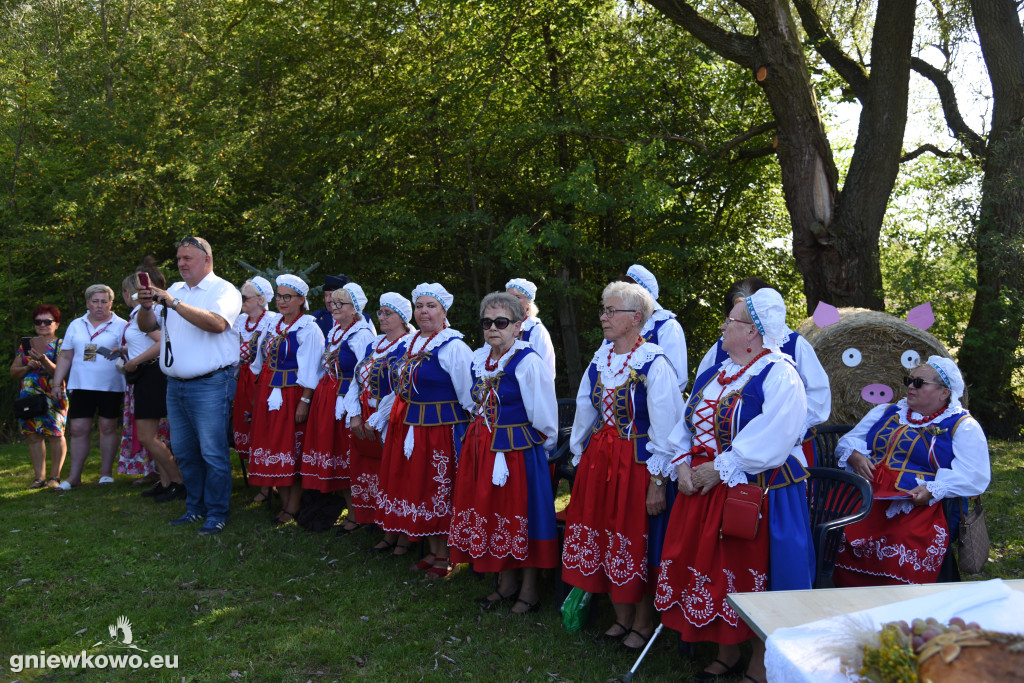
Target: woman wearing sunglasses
column 503, row 510
column 34, row 367
column 428, row 420
column 626, row 408
column 915, row 452
column 288, row 370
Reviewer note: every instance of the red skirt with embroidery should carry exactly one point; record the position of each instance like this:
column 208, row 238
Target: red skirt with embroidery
column 325, row 454
column 878, row 551
column 365, row 474
column 241, row 410
column 415, row 492
column 605, row 548
column 276, row 439
column 490, row 524
column 699, row 569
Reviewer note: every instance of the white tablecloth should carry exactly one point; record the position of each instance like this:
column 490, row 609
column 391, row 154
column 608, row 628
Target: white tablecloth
column 802, row 653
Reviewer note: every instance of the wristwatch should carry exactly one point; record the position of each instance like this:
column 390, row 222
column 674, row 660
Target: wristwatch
column 658, row 481
column 305, row 400
column 175, row 302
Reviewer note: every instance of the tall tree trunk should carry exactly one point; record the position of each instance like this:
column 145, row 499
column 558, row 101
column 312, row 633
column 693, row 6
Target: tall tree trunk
column 994, row 331
column 566, row 313
column 835, row 234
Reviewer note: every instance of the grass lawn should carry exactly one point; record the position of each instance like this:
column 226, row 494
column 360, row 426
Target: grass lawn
column 259, row 603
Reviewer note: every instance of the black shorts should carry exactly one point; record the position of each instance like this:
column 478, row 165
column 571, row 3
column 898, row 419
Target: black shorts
column 150, row 393
column 85, row 403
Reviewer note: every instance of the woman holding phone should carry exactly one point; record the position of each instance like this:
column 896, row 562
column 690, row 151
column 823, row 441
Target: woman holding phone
column 34, row 365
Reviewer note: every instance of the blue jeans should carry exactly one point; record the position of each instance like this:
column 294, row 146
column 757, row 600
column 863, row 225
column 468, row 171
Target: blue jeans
column 199, row 413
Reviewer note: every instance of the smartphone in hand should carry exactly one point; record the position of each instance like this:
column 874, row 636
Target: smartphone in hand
column 144, row 280
column 106, row 353
column 26, row 345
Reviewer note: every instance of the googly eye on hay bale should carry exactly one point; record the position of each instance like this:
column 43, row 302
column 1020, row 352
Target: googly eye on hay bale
column 866, row 354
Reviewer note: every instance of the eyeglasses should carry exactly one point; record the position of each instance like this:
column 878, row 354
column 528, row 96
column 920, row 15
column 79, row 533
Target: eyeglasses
column 285, row 298
column 500, row 323
column 339, row 304
column 192, row 242
column 38, row 322
column 918, row 382
column 609, row 312
column 735, row 320
column 385, row 312
column 246, row 298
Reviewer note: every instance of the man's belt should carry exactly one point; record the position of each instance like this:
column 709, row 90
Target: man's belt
column 206, row 376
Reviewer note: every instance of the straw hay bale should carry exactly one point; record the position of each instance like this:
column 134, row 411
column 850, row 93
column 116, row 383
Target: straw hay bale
column 886, row 344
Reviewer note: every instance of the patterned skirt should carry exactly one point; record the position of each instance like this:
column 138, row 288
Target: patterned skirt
column 502, row 527
column 241, row 410
column 326, row 450
column 276, row 439
column 365, row 473
column 416, row 491
column 606, row 523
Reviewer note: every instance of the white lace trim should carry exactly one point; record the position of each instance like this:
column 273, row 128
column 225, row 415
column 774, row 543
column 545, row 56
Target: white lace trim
column 729, row 469
column 360, row 325
column 442, row 336
column 644, row 354
column 481, row 355
column 952, row 409
column 661, row 466
column 732, row 368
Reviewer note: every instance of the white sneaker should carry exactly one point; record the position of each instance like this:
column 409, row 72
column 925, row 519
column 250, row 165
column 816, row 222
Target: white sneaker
column 106, row 480
column 64, row 486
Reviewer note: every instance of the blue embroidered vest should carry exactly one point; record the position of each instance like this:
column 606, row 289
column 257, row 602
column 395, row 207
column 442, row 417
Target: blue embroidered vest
column 631, row 418
column 733, row 412
column 346, row 364
column 378, row 379
column 427, row 388
column 652, row 334
column 506, row 417
column 912, row 451
column 280, row 357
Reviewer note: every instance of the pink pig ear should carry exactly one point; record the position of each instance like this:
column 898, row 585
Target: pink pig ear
column 921, row 316
column 825, row 314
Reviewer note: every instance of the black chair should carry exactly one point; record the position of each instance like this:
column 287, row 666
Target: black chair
column 835, row 499
column 825, row 439
column 955, row 510
column 560, row 462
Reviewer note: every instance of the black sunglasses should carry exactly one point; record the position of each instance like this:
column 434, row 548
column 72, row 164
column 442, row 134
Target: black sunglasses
column 918, row 382
column 500, row 323
column 192, row 242
column 39, row 321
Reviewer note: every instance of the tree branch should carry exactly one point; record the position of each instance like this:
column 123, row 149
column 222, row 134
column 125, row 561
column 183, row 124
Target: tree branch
column 923, row 149
column 974, row 143
column 717, row 153
column 848, row 68
column 736, row 47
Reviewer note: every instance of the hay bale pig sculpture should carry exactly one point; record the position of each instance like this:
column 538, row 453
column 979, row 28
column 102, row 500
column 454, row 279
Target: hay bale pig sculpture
column 867, row 353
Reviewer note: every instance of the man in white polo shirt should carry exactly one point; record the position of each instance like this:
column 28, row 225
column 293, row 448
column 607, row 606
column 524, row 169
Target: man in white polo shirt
column 198, row 348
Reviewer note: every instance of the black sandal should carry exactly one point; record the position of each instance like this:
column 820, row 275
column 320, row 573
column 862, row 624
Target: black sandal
column 530, row 606
column 487, row 603
column 639, row 635
column 617, row 636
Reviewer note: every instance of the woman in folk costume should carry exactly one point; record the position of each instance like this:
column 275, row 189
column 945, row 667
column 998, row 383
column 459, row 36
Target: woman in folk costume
column 328, row 445
column 288, row 369
column 626, row 408
column 739, row 427
column 252, row 327
column 816, row 384
column 367, row 406
column 503, row 517
column 662, row 328
column 429, row 416
column 533, row 330
column 915, row 452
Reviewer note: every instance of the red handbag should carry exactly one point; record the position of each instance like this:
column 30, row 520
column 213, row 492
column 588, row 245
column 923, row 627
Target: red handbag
column 741, row 514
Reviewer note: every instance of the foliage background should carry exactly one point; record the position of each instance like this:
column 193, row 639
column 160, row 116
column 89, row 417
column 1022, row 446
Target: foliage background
column 401, row 142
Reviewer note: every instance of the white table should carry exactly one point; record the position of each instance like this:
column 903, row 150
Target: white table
column 766, row 611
